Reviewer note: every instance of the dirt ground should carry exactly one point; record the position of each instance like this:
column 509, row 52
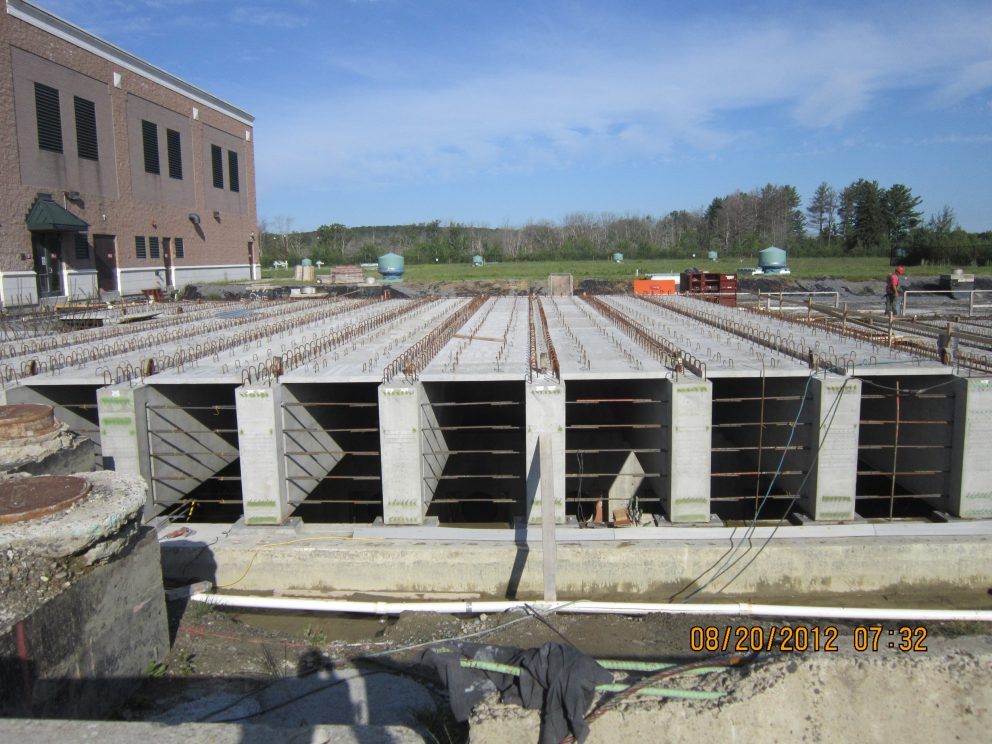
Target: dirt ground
column 220, row 653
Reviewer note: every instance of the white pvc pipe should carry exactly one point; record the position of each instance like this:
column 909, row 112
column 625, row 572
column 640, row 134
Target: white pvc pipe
column 585, row 607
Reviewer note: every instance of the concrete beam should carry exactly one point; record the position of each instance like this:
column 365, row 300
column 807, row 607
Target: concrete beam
column 971, row 466
column 687, row 441
column 544, row 409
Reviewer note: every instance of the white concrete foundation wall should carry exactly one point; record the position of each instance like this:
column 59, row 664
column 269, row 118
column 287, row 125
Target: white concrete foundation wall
column 203, row 274
column 81, row 284
column 18, row 288
column 132, row 281
column 621, row 567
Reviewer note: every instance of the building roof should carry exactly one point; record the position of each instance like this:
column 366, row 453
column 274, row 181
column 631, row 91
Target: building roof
column 63, row 29
column 47, row 216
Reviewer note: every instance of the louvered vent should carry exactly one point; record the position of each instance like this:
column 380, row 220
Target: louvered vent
column 217, row 162
column 149, row 139
column 46, row 101
column 232, row 167
column 86, row 129
column 174, row 145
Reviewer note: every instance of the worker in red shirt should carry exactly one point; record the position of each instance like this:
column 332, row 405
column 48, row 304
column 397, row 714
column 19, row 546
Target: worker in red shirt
column 892, row 291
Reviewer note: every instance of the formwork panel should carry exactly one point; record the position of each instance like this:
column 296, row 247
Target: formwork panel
column 615, row 456
column 476, row 434
column 332, row 451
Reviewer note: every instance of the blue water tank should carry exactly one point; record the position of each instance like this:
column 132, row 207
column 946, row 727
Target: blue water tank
column 618, row 258
column 712, row 255
column 477, row 260
column 392, row 266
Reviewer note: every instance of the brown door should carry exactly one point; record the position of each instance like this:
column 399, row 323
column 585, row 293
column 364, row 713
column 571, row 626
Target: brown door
column 251, row 259
column 105, row 259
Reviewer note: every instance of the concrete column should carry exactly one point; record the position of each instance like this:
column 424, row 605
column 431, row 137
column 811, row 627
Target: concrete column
column 687, row 441
column 263, row 461
column 124, row 434
column 834, row 427
column 544, row 411
column 413, row 452
column 971, row 465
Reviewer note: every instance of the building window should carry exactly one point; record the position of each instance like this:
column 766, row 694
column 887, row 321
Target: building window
column 139, row 247
column 149, row 139
column 46, row 102
column 153, row 247
column 175, row 148
column 86, row 128
column 178, row 245
column 232, row 167
column 217, row 163
column 82, row 247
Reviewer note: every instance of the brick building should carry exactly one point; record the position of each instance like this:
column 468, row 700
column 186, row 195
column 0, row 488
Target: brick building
column 114, row 174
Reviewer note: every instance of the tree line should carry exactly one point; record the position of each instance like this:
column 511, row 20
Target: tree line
column 864, row 218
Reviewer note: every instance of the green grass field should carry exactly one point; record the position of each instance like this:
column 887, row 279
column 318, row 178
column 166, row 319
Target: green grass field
column 852, row 269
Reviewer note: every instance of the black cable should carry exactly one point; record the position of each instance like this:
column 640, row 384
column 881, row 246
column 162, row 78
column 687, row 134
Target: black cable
column 795, row 498
column 754, row 520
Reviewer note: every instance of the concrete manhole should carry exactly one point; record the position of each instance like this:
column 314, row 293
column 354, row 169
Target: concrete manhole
column 26, row 420
column 28, row 498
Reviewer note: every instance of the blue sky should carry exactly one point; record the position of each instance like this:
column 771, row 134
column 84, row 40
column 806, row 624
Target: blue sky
column 503, row 112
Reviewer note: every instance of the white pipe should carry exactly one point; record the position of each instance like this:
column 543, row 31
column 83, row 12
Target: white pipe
column 585, row 607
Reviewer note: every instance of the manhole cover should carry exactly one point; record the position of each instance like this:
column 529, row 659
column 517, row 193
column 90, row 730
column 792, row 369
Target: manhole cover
column 28, row 498
column 26, row 420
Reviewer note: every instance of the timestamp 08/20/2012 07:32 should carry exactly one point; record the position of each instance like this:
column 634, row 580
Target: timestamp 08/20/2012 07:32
column 805, row 638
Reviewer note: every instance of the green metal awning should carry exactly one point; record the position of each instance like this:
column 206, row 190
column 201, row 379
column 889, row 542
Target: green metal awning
column 47, row 216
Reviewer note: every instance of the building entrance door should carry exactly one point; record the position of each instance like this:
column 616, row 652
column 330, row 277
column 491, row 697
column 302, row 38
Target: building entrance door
column 105, row 258
column 251, row 260
column 47, row 250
